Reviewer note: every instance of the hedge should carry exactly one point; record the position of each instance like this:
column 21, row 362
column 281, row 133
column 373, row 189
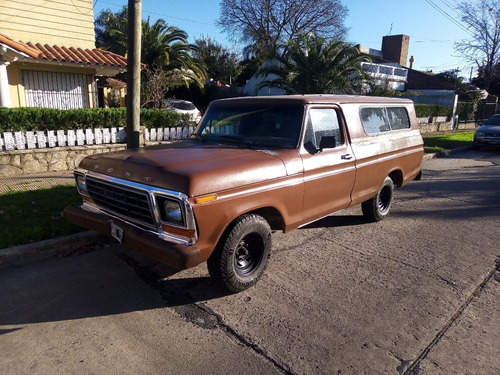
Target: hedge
column 26, row 118
column 430, row 110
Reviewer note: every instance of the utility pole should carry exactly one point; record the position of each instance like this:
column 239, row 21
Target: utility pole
column 134, row 72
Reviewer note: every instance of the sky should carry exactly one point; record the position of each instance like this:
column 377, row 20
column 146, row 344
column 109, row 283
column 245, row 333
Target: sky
column 433, row 26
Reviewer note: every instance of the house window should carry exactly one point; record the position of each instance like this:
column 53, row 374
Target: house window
column 55, row 90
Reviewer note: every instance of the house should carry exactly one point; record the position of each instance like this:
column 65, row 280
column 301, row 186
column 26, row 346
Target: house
column 48, row 56
column 390, row 70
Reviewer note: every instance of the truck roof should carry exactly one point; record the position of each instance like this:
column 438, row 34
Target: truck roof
column 309, row 99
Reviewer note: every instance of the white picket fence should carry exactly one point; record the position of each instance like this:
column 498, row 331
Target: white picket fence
column 10, row 141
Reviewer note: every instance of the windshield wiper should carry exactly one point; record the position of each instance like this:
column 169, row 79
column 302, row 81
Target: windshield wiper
column 237, row 139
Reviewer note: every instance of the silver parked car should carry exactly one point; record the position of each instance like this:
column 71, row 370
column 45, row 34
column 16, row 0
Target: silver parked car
column 488, row 133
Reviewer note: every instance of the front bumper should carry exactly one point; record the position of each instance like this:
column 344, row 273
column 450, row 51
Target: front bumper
column 487, row 140
column 173, row 255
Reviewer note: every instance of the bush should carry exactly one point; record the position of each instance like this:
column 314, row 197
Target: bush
column 429, row 110
column 34, row 119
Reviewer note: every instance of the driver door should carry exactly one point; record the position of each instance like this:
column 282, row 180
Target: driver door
column 329, row 164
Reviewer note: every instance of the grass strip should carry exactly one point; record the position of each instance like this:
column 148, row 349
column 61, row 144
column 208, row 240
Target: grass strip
column 31, row 216
column 448, row 141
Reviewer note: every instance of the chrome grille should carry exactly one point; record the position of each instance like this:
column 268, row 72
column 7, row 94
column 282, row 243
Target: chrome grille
column 126, row 202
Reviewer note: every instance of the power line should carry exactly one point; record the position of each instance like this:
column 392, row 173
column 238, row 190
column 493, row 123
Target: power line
column 451, row 6
column 160, row 14
column 444, row 13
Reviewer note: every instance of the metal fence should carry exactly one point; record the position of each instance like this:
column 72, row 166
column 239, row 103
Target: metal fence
column 470, row 112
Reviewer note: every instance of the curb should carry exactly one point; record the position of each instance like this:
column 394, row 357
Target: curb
column 445, row 153
column 60, row 246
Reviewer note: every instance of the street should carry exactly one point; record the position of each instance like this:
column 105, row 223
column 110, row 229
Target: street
column 412, row 294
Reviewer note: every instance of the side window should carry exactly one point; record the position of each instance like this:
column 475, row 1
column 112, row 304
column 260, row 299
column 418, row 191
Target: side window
column 374, row 120
column 383, row 119
column 322, row 122
column 398, row 118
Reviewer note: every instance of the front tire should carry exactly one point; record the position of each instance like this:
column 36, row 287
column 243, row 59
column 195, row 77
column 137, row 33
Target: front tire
column 242, row 255
column 378, row 207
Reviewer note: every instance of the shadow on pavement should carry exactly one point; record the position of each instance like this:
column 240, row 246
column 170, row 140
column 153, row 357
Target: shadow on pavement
column 337, row 221
column 96, row 284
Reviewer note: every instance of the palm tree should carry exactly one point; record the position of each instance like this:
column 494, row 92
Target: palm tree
column 163, row 47
column 166, row 47
column 312, row 65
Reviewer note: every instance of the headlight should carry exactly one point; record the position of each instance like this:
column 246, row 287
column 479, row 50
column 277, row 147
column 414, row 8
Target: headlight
column 171, row 211
column 480, row 134
column 81, row 184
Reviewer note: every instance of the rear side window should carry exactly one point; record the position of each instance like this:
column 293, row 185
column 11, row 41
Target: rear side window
column 383, row 119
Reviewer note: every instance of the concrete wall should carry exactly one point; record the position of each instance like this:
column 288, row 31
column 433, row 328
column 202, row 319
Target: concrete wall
column 20, row 162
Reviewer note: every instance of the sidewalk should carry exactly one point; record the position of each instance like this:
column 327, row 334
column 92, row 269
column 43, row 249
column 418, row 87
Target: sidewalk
column 35, row 181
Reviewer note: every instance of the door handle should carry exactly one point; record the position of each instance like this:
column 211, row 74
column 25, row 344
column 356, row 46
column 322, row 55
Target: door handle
column 346, row 157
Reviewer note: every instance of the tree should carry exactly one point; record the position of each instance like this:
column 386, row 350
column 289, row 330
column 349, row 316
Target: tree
column 154, row 87
column 493, row 85
column 111, row 31
column 222, row 65
column 313, row 65
column 451, row 76
column 264, row 25
column 162, row 47
column 482, row 20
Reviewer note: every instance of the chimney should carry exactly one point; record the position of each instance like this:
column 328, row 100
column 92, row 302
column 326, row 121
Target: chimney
column 411, row 61
column 395, row 48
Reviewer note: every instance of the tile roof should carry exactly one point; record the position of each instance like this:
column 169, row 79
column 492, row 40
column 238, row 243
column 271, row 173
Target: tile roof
column 65, row 54
column 115, row 83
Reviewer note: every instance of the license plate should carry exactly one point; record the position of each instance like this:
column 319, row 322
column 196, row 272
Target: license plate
column 116, row 232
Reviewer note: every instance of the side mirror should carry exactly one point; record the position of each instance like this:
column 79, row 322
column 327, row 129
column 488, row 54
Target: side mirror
column 327, row 141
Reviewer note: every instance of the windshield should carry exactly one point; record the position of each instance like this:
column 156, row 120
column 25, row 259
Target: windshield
column 185, row 106
column 267, row 126
column 493, row 120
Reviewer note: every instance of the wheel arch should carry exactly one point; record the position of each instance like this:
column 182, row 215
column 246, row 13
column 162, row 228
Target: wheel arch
column 271, row 214
column 397, row 177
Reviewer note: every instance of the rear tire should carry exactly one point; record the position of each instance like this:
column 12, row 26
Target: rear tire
column 378, row 207
column 242, row 255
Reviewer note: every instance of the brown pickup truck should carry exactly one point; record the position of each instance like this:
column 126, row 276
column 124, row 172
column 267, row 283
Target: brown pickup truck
column 254, row 165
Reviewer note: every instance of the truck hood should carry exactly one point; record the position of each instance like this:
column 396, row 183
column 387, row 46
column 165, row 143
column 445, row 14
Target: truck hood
column 191, row 168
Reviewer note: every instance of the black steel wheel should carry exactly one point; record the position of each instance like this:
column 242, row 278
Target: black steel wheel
column 242, row 255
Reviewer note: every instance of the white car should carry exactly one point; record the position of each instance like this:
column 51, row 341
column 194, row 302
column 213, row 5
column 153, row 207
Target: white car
column 184, row 106
column 179, row 106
